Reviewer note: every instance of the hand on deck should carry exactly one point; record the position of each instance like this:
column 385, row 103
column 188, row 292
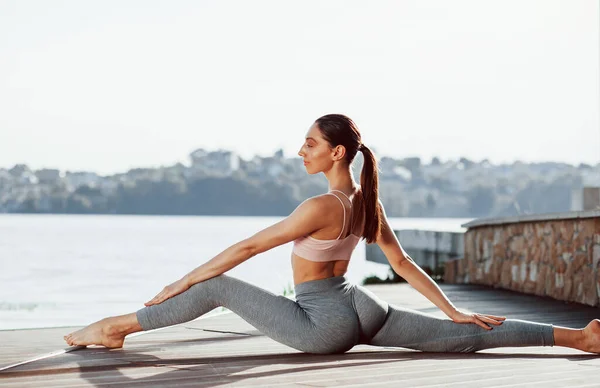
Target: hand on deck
column 483, row 320
column 169, row 291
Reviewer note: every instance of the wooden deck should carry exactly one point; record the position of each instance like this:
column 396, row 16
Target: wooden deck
column 225, row 351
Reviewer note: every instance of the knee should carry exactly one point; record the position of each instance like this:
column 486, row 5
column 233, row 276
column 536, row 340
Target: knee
column 212, row 282
column 209, row 288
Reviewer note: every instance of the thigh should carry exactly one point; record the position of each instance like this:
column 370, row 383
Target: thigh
column 371, row 312
column 282, row 319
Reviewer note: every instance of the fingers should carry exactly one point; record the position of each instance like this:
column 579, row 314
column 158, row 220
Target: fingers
column 489, row 319
column 486, row 320
column 161, row 297
column 156, row 300
column 483, row 320
column 477, row 321
column 151, row 301
column 167, row 292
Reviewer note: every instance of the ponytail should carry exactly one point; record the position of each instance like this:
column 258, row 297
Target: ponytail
column 338, row 129
column 369, row 182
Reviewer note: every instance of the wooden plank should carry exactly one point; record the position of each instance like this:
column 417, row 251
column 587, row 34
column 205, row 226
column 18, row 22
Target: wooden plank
column 19, row 345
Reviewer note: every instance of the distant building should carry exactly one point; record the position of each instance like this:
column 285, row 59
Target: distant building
column 23, row 175
column 18, row 170
column 586, row 199
column 402, row 173
column 217, row 162
column 77, row 179
column 48, row 176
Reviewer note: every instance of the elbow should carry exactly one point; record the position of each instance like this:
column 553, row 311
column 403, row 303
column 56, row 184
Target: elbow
column 401, row 263
column 248, row 249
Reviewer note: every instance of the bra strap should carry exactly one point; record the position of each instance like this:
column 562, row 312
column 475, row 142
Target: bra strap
column 349, row 200
column 344, row 194
column 344, row 209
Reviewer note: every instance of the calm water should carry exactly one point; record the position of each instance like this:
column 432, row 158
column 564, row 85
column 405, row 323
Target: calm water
column 64, row 270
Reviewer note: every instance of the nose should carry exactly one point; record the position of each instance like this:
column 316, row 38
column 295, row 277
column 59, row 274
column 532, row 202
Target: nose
column 300, row 152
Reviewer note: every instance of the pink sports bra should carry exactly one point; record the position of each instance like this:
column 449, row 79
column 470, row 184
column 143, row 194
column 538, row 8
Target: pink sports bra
column 312, row 249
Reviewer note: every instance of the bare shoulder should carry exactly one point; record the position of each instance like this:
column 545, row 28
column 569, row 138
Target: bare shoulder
column 321, row 202
column 309, row 216
column 312, row 211
column 317, row 212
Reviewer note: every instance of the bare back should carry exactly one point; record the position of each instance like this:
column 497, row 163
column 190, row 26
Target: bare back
column 306, row 270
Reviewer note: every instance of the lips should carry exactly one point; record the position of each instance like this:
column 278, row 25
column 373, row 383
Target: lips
column 305, row 163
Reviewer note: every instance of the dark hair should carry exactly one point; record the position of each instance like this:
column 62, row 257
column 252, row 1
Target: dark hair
column 340, row 130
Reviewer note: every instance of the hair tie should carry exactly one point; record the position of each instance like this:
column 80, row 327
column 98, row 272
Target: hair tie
column 362, row 147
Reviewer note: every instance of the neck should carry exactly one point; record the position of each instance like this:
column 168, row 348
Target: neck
column 341, row 180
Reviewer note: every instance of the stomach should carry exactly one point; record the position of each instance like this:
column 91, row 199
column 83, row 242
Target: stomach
column 306, row 270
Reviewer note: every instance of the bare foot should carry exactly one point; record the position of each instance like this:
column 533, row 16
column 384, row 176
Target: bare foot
column 591, row 337
column 99, row 333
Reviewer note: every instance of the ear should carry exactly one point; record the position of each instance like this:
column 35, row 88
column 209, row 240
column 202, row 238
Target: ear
column 338, row 153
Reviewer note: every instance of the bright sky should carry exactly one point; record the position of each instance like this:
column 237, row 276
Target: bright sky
column 110, row 85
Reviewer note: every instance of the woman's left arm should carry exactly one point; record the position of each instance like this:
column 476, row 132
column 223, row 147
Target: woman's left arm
column 404, row 266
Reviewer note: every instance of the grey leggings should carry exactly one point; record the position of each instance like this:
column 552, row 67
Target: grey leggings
column 332, row 315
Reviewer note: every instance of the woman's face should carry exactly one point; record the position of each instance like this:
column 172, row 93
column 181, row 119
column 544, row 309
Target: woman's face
column 316, row 151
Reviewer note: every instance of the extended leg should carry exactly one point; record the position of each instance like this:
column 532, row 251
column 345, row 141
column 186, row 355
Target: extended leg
column 275, row 316
column 415, row 330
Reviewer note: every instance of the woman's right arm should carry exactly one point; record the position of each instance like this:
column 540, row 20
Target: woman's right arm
column 307, row 218
column 310, row 216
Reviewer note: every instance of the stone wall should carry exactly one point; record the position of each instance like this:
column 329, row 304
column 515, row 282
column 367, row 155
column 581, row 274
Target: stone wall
column 555, row 256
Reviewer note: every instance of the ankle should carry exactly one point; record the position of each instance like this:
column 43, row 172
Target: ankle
column 570, row 338
column 581, row 340
column 112, row 328
column 121, row 325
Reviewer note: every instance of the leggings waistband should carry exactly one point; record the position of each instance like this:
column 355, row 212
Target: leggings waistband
column 319, row 285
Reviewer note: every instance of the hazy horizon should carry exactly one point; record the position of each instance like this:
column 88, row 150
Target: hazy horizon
column 106, row 86
column 186, row 162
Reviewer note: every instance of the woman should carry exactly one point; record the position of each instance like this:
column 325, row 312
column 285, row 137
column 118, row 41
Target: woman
column 329, row 314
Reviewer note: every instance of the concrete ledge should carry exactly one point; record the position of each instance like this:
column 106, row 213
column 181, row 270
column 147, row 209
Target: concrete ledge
column 532, row 218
